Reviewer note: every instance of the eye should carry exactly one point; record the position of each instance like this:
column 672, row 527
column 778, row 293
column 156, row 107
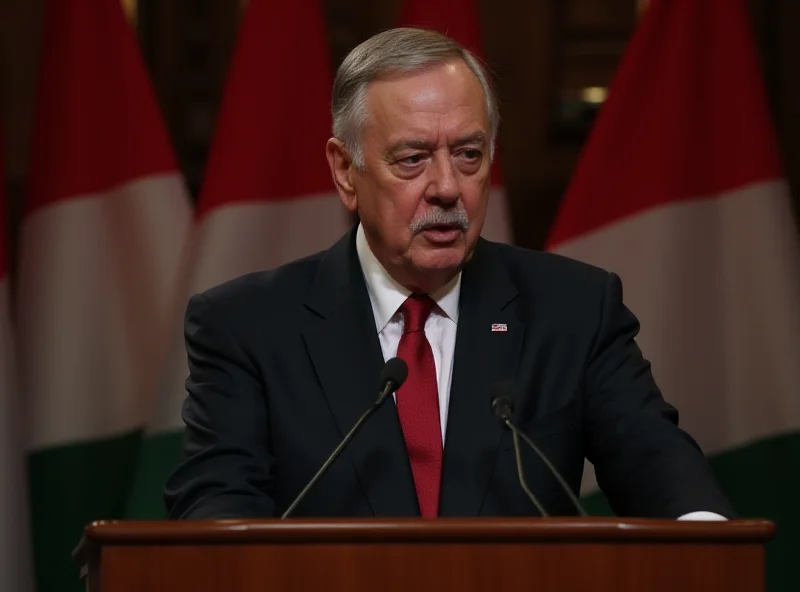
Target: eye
column 471, row 154
column 411, row 160
column 469, row 160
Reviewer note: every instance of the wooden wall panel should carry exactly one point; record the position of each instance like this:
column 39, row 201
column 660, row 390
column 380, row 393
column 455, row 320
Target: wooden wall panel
column 187, row 46
column 20, row 41
column 20, row 34
column 544, row 53
column 785, row 20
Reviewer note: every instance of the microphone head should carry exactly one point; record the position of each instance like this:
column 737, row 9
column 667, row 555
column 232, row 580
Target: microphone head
column 502, row 396
column 394, row 371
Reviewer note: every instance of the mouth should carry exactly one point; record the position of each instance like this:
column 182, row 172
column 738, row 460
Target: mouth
column 442, row 234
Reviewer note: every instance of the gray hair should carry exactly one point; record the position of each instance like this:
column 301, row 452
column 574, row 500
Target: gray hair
column 396, row 51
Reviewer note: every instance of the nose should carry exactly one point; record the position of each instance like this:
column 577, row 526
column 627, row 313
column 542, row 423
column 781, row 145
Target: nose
column 443, row 186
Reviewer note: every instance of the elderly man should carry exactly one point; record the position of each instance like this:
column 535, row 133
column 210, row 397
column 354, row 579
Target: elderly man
column 283, row 362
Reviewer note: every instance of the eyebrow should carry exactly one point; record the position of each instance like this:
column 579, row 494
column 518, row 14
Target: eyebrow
column 475, row 138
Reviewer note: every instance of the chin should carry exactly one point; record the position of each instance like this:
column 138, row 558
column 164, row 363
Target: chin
column 440, row 260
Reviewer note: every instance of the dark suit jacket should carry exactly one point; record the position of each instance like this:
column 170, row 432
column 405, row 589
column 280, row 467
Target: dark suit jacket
column 282, row 363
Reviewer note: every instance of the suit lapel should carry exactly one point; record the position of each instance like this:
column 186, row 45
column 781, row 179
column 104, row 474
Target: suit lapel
column 482, row 356
column 343, row 344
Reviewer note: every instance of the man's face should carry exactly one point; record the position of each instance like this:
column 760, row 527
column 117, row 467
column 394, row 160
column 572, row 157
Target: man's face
column 423, row 193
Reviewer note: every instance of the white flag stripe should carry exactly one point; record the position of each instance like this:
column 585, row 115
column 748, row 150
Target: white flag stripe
column 242, row 238
column 497, row 224
column 15, row 565
column 719, row 307
column 98, row 278
column 251, row 236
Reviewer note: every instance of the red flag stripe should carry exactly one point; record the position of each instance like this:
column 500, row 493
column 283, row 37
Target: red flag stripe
column 459, row 20
column 274, row 120
column 97, row 122
column 686, row 118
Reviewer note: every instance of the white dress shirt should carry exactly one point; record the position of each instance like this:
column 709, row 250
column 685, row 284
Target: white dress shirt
column 386, row 297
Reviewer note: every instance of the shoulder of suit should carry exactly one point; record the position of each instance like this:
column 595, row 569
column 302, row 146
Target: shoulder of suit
column 287, row 282
column 564, row 295
column 542, row 266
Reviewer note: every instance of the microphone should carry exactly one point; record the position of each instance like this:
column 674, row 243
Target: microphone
column 393, row 375
column 503, row 407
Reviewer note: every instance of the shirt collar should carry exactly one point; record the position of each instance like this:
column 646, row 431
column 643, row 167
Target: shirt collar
column 387, row 295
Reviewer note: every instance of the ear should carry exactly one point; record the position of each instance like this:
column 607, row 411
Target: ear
column 342, row 169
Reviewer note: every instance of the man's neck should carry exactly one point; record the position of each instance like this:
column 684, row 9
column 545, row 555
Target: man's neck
column 415, row 281
column 387, row 294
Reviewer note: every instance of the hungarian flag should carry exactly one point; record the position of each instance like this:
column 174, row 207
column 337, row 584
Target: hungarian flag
column 267, row 198
column 680, row 191
column 15, row 561
column 458, row 19
column 105, row 223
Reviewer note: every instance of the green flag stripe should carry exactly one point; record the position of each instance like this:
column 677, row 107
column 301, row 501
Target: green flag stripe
column 74, row 485
column 762, row 480
column 160, row 455
column 71, row 486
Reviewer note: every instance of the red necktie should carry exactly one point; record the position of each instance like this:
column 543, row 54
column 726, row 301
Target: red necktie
column 418, row 404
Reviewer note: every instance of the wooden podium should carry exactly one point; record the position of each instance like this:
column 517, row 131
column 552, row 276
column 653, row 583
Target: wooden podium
column 381, row 555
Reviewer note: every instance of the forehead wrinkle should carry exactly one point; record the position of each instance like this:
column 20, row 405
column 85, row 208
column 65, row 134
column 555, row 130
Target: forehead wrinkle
column 420, row 143
column 424, row 114
column 426, row 91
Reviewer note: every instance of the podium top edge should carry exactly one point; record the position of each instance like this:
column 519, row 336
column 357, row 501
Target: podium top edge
column 375, row 530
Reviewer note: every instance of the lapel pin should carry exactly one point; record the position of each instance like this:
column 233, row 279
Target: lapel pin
column 499, row 327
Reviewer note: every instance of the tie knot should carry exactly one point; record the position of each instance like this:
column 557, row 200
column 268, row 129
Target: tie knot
column 416, row 310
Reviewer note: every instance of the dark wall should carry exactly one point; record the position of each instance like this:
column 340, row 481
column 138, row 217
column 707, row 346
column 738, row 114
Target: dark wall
column 543, row 53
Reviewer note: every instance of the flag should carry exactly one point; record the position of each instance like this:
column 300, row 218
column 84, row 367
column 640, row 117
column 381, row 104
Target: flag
column 104, row 225
column 458, row 19
column 15, row 561
column 680, row 191
column 267, row 197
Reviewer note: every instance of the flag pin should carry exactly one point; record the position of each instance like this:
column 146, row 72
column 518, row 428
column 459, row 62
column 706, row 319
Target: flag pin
column 499, row 327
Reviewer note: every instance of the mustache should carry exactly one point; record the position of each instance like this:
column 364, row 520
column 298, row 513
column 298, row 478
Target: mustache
column 456, row 216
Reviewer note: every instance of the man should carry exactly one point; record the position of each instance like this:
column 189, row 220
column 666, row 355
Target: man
column 283, row 362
